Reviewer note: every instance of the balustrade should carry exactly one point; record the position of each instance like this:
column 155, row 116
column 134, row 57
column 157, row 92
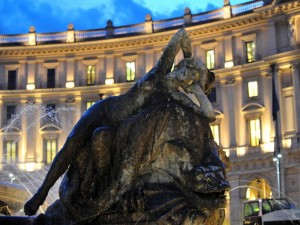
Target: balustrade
column 141, row 28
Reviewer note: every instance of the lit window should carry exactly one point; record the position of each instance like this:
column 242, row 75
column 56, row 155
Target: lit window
column 252, row 89
column 11, row 152
column 130, row 71
column 89, row 104
column 250, row 51
column 90, row 75
column 210, row 59
column 255, row 132
column 50, row 149
column 216, row 133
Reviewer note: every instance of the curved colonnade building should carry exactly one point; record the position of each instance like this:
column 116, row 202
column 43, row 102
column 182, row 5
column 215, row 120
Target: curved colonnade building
column 48, row 80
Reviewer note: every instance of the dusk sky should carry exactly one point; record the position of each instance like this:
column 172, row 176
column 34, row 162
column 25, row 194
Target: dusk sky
column 16, row 16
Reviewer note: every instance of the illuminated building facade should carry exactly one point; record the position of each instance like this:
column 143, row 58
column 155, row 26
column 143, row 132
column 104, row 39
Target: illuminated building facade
column 48, row 80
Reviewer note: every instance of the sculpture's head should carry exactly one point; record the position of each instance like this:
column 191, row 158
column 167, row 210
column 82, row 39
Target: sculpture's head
column 192, row 70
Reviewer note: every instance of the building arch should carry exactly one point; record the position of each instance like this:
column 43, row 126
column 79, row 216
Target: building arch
column 257, row 186
column 252, row 108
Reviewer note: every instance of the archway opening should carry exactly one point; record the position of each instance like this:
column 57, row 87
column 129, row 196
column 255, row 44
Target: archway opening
column 258, row 188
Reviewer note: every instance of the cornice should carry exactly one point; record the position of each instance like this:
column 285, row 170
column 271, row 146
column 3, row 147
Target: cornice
column 270, row 11
column 63, row 92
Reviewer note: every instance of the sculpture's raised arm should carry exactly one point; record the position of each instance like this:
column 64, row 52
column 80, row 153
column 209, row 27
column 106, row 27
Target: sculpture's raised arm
column 179, row 41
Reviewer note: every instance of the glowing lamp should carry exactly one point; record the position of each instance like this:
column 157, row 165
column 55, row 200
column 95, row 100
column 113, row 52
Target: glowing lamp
column 30, row 87
column 228, row 64
column 70, row 84
column 109, row 81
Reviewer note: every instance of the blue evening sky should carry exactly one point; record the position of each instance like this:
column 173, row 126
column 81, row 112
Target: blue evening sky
column 16, row 16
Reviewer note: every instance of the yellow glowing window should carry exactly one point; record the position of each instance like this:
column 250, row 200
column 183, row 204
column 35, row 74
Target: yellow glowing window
column 250, row 51
column 210, row 59
column 89, row 104
column 216, row 133
column 51, row 149
column 11, row 152
column 255, row 132
column 90, row 75
column 130, row 71
column 252, row 89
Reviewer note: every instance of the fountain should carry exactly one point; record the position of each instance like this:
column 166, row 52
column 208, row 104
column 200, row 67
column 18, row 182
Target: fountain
column 19, row 180
column 145, row 157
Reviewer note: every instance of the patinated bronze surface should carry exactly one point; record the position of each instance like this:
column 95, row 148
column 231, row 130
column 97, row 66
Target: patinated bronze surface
column 145, row 156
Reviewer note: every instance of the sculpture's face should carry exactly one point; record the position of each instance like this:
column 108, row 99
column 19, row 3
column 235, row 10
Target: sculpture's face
column 192, row 70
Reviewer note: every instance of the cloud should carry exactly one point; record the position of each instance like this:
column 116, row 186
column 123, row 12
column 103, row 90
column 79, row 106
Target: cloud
column 169, row 8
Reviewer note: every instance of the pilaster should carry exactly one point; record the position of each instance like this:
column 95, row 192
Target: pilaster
column 228, row 51
column 37, row 135
column 234, row 204
column 109, row 79
column 231, row 112
column 31, row 75
column 296, row 86
column 26, row 155
column 271, row 38
column 149, row 60
column 70, row 79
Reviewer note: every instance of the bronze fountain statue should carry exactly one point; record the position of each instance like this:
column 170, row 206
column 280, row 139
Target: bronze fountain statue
column 147, row 156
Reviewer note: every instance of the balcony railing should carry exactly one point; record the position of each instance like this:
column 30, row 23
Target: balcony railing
column 20, row 38
column 216, row 14
column 164, row 24
column 133, row 29
column 51, row 37
column 148, row 26
column 90, row 34
column 246, row 7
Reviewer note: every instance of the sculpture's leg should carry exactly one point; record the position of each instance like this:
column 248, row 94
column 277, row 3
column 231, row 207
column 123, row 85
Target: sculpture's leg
column 101, row 153
column 57, row 169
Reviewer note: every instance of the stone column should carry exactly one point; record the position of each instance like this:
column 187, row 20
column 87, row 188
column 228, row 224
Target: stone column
column 267, row 115
column 228, row 51
column 38, row 136
column 240, row 120
column 29, row 118
column 25, row 153
column 31, row 75
column 225, row 120
column 230, row 111
column 149, row 60
column 277, row 73
column 70, row 73
column 235, row 205
column 78, row 110
column 296, row 86
column 109, row 70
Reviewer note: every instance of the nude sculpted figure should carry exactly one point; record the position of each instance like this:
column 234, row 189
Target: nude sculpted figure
column 96, row 143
